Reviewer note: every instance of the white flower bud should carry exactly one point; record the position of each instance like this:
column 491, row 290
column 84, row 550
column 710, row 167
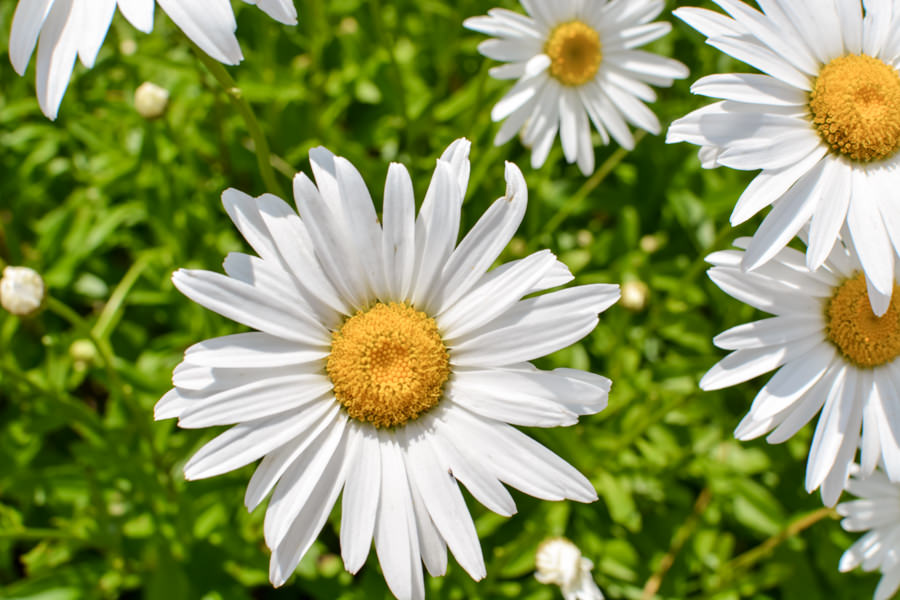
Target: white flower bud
column 22, row 291
column 634, row 295
column 150, row 100
column 560, row 562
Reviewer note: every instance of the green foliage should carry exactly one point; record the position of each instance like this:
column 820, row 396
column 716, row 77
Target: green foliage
column 106, row 205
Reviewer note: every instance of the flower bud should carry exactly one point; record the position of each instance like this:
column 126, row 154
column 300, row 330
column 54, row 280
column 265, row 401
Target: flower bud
column 634, row 295
column 560, row 562
column 150, row 100
column 22, row 291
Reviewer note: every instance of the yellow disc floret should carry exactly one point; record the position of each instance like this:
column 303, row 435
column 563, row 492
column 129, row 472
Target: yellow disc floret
column 865, row 340
column 388, row 364
column 855, row 105
column 575, row 53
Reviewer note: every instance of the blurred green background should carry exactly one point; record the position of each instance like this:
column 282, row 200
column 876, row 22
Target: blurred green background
column 106, row 205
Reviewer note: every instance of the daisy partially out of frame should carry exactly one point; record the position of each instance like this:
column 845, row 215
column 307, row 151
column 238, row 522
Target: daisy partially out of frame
column 64, row 29
column 822, row 122
column 389, row 364
column 834, row 357
column 576, row 63
column 877, row 512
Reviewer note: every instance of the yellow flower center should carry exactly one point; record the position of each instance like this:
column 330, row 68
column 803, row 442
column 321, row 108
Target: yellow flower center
column 575, row 53
column 855, row 105
column 388, row 364
column 864, row 339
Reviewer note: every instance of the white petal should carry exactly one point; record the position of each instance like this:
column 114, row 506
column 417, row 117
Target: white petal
column 829, row 215
column 436, row 231
column 255, row 400
column 506, row 397
column 359, row 504
column 320, row 417
column 493, row 297
column 751, row 88
column 94, row 22
column 57, row 48
column 396, row 538
column 398, row 241
column 444, row 503
column 27, row 22
column 791, row 213
column 242, row 444
column 210, row 25
column 536, row 327
column 139, row 13
column 249, row 350
column 297, row 486
column 311, row 517
column 282, row 11
column 743, row 365
column 483, row 244
column 246, row 304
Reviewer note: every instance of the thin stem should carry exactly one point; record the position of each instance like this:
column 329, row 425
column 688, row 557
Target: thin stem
column 108, row 315
column 260, row 143
column 681, row 536
column 589, row 186
column 752, row 556
column 63, row 310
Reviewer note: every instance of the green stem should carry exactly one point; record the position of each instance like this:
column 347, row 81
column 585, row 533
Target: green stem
column 63, row 310
column 751, row 557
column 83, row 420
column 681, row 536
column 108, row 316
column 588, row 186
column 38, row 535
column 260, row 143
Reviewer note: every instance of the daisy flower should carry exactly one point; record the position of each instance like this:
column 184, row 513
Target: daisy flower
column 64, row 29
column 822, row 122
column 877, row 511
column 389, row 363
column 575, row 60
column 832, row 353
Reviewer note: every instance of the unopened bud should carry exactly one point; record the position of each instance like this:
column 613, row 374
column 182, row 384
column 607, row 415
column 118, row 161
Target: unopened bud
column 22, row 291
column 559, row 561
column 150, row 100
column 634, row 295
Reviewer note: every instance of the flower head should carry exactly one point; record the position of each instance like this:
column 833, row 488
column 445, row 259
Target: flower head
column 559, row 561
column 833, row 355
column 389, row 365
column 877, row 512
column 822, row 121
column 22, row 291
column 575, row 61
column 64, row 29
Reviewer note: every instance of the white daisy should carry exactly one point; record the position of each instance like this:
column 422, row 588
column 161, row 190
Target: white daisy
column 64, row 29
column 389, row 363
column 877, row 511
column 576, row 60
column 823, row 124
column 558, row 561
column 834, row 354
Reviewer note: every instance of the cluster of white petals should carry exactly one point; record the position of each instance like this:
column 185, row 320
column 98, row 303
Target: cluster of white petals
column 860, row 406
column 65, row 29
column 333, row 262
column 609, row 91
column 764, row 121
column 877, row 512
